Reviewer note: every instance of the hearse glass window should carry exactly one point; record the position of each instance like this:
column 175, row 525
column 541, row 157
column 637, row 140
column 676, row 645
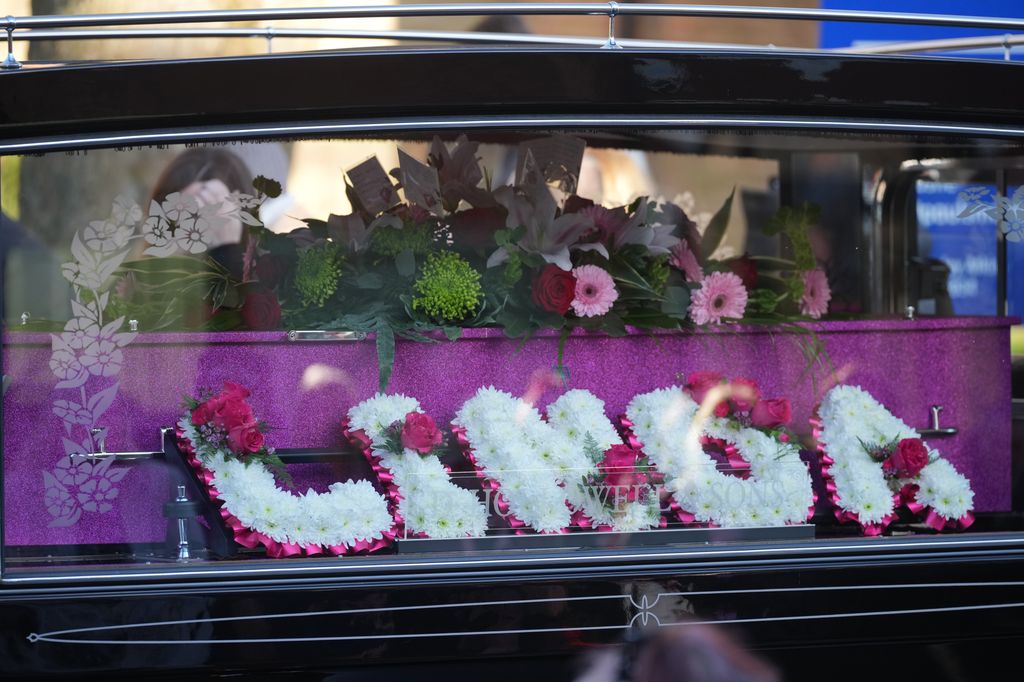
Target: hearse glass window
column 366, row 349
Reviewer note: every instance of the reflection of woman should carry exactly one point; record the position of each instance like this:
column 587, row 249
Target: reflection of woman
column 688, row 652
column 208, row 175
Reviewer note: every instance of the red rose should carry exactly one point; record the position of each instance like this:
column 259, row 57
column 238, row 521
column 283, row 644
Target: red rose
column 261, row 310
column 618, row 457
column 270, row 269
column 745, row 394
column 745, row 268
column 245, row 438
column 771, row 413
column 420, row 433
column 202, row 414
column 234, row 391
column 226, row 410
column 907, row 460
column 232, row 413
column 554, row 289
column 699, row 383
column 619, row 469
column 474, row 229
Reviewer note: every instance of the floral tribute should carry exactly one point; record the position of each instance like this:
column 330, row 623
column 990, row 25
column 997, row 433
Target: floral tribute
column 525, row 462
column 615, row 491
column 773, row 486
column 225, row 444
column 434, row 248
column 874, row 464
column 401, row 444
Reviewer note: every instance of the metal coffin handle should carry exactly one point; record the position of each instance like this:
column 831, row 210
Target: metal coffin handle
column 935, row 430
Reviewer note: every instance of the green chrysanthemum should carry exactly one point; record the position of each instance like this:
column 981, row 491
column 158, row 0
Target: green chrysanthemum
column 391, row 241
column 317, row 273
column 449, row 287
column 657, row 272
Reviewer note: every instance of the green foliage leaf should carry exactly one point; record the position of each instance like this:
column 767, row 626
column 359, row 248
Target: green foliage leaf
column 764, row 301
column 716, row 228
column 532, row 260
column 452, row 333
column 677, row 302
column 405, row 263
column 224, row 320
column 627, row 276
column 611, row 323
column 370, row 280
column 385, row 351
column 515, row 322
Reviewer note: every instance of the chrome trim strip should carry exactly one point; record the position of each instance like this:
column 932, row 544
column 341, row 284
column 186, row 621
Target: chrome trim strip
column 543, row 600
column 320, row 335
column 400, row 568
column 644, row 611
column 38, row 145
column 524, row 9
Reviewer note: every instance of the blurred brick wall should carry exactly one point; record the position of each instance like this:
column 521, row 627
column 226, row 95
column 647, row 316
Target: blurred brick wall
column 781, row 33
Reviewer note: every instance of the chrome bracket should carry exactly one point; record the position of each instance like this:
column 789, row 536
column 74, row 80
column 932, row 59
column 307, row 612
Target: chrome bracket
column 613, row 11
column 935, row 430
column 269, row 33
column 10, row 63
column 183, row 553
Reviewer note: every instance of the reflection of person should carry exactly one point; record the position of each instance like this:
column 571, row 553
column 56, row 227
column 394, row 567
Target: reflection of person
column 685, row 652
column 209, row 175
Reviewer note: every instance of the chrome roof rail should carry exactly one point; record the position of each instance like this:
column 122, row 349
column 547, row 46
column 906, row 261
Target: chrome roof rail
column 522, row 9
column 1007, row 42
column 608, row 9
column 270, row 33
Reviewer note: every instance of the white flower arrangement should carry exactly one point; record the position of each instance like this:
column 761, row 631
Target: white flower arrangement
column 778, row 491
column 430, row 502
column 349, row 514
column 579, row 416
column 851, row 418
column 526, row 457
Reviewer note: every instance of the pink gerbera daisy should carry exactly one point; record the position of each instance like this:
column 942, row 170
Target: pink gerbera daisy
column 816, row 296
column 721, row 295
column 685, row 260
column 595, row 291
column 607, row 223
